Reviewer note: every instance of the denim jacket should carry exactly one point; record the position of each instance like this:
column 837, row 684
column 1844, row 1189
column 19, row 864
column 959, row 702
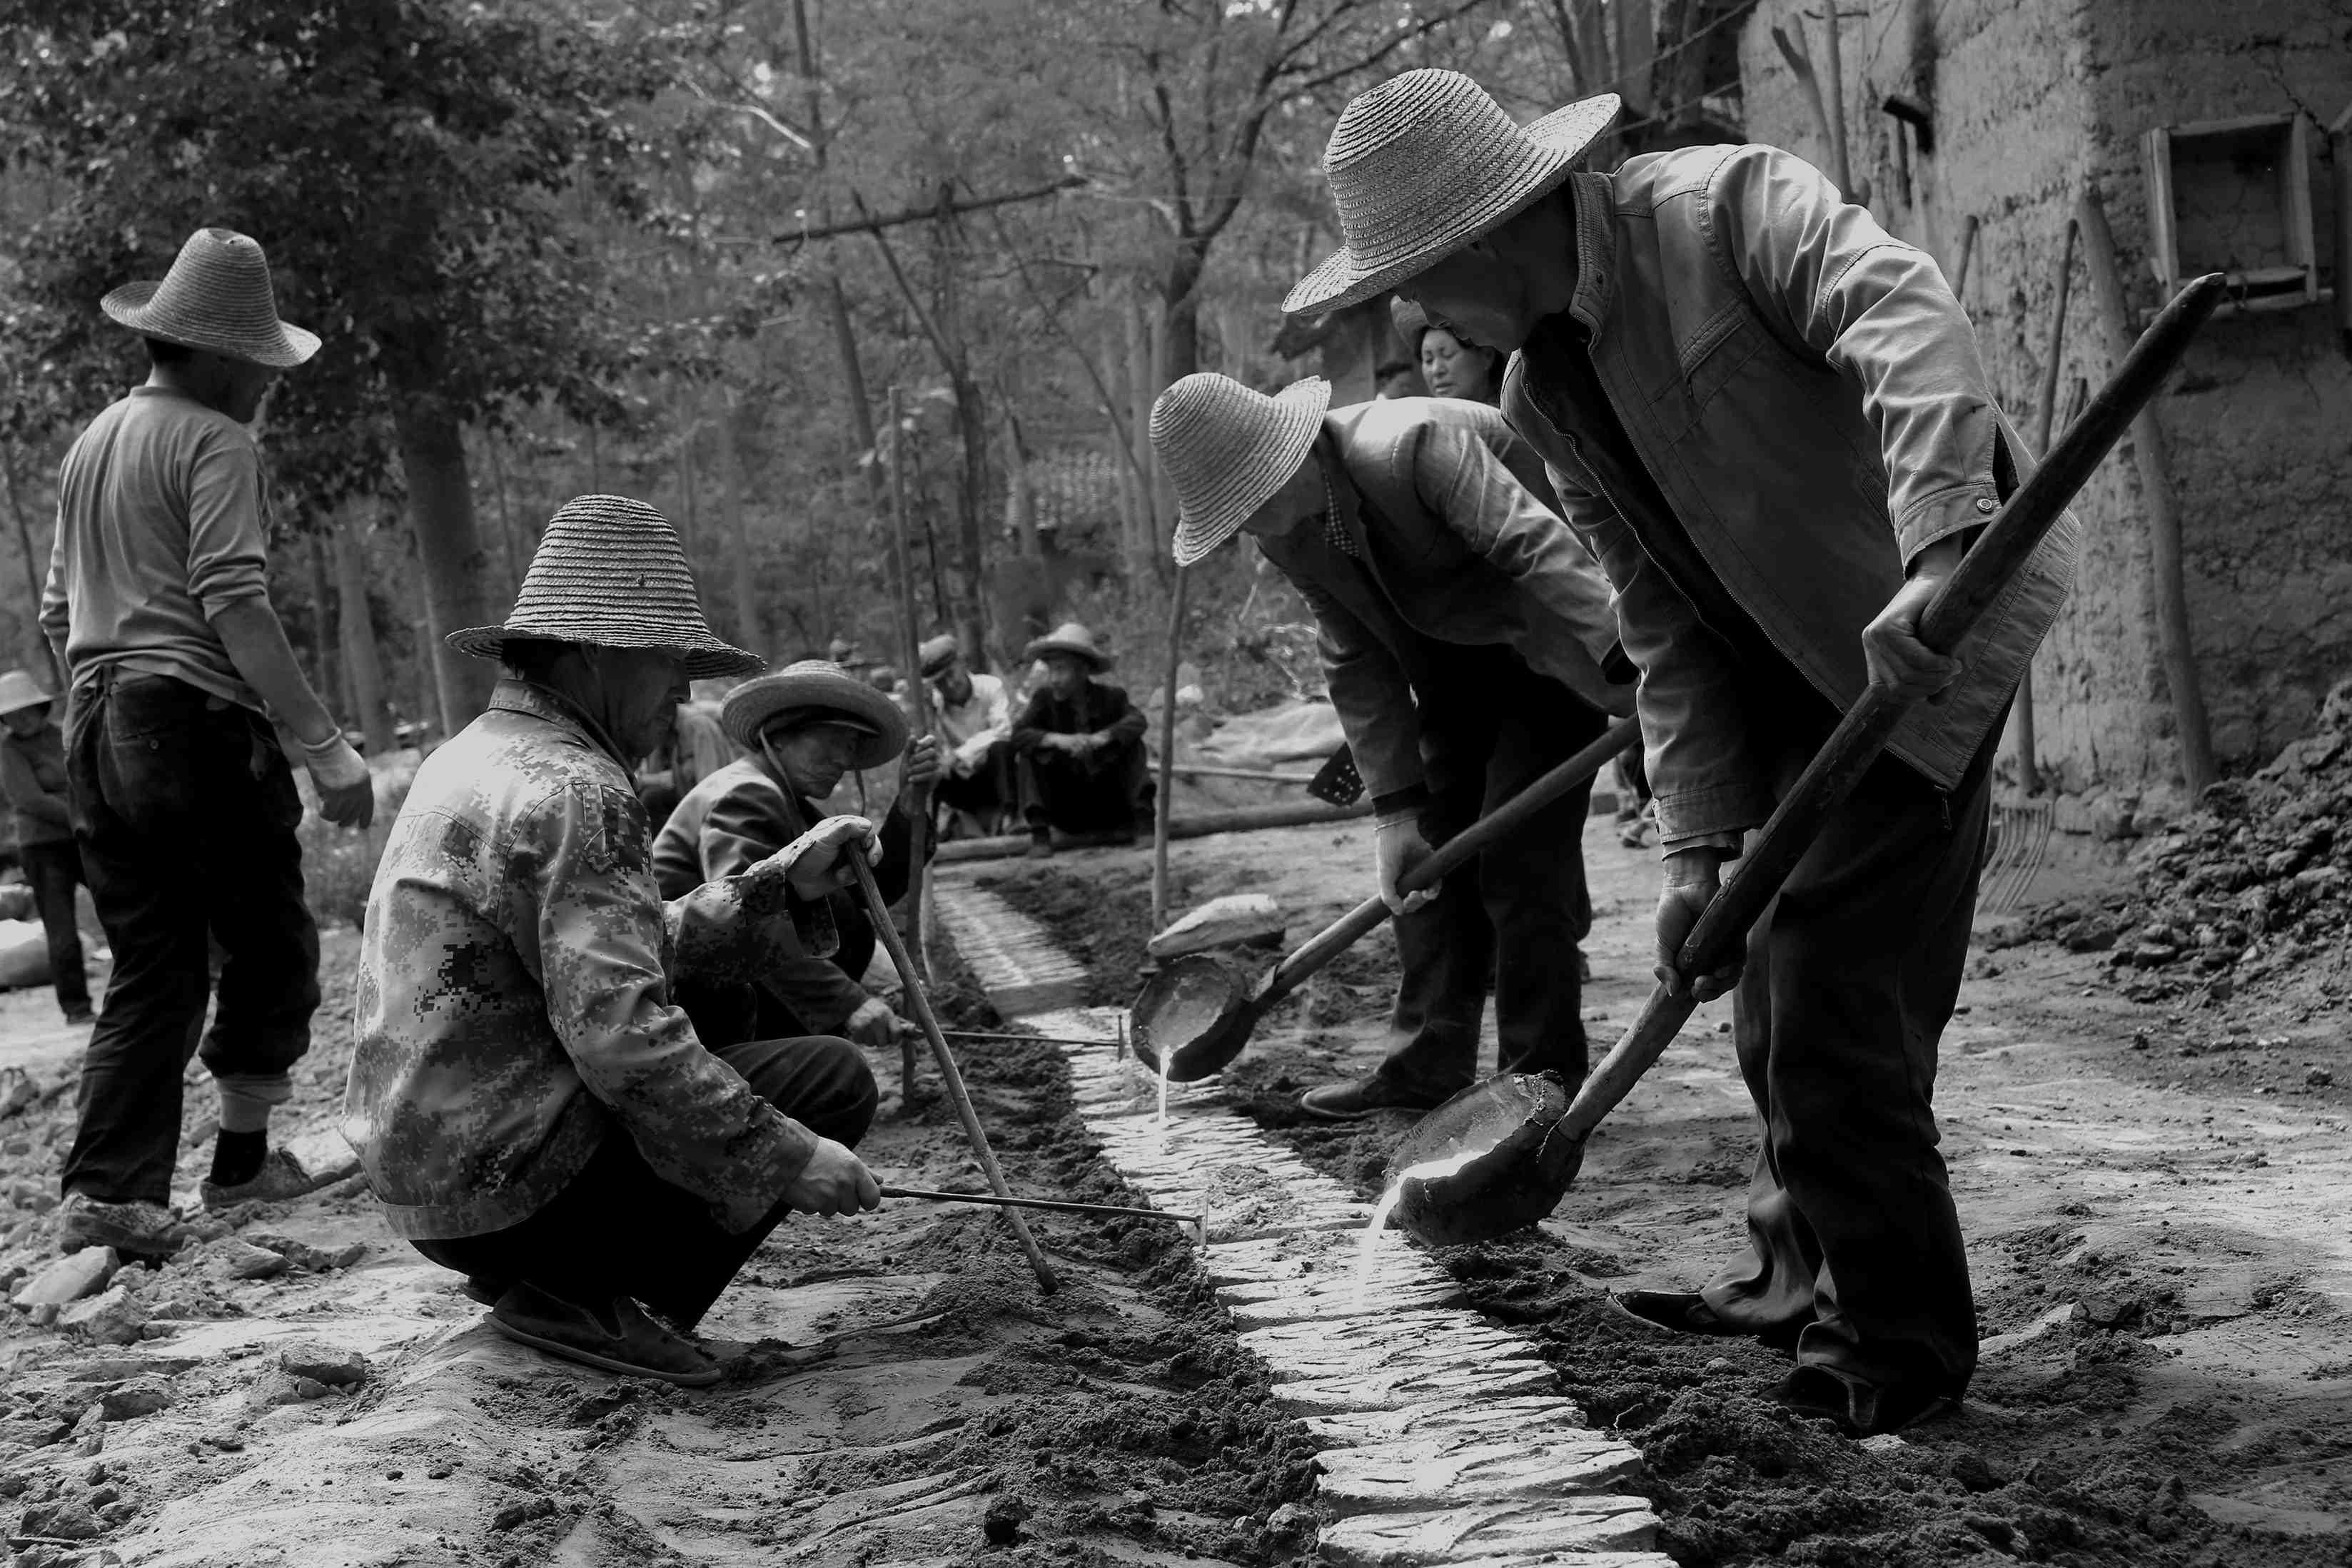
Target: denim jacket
column 1805, row 396
column 513, row 1008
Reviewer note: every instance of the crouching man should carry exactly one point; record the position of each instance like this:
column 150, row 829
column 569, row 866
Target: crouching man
column 528, row 1103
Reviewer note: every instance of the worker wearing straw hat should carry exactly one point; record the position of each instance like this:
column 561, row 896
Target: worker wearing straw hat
column 184, row 807
column 1465, row 632
column 1077, row 748
column 802, row 730
column 33, row 777
column 1769, row 418
column 529, row 1106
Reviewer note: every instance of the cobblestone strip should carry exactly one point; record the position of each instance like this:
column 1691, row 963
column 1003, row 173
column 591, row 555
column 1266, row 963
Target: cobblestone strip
column 1447, row 1443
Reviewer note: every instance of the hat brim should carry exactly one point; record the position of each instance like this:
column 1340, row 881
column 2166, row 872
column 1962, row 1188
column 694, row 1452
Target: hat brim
column 1562, row 137
column 1253, row 478
column 707, row 658
column 291, row 345
column 755, row 705
column 1094, row 657
column 18, row 705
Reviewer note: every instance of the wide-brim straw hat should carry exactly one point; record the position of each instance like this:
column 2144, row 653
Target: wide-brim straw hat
column 1426, row 163
column 1227, row 448
column 610, row 571
column 217, row 296
column 938, row 653
column 816, row 689
column 19, row 690
column 1070, row 638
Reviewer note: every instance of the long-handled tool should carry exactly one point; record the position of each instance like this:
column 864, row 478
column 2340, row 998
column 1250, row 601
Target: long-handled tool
column 918, row 692
column 1028, row 1038
column 1495, row 1156
column 1057, row 1206
column 921, row 1005
column 1198, row 1012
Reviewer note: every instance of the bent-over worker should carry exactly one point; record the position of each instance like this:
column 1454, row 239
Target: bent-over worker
column 529, row 1106
column 1768, row 417
column 1464, row 634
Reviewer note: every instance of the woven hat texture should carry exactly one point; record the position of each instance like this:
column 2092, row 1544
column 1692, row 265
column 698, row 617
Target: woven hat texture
column 19, row 690
column 1069, row 637
column 817, row 687
column 609, row 571
column 217, row 296
column 1226, row 449
column 1425, row 162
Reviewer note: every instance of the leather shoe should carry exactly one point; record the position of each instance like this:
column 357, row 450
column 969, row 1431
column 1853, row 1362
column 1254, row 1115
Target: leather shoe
column 1686, row 1312
column 618, row 1335
column 1361, row 1097
column 1861, row 1408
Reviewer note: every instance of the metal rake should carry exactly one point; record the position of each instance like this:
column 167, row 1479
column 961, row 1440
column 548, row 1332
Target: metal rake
column 2021, row 839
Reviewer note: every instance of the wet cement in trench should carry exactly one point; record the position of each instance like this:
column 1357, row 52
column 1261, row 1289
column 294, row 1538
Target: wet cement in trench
column 2034, row 1469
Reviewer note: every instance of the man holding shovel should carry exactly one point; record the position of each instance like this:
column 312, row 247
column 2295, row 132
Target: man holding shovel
column 1769, row 419
column 1465, row 630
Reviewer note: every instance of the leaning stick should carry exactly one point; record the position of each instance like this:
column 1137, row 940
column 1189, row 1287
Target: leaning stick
column 1164, row 798
column 921, row 1004
column 919, row 800
column 1057, row 1205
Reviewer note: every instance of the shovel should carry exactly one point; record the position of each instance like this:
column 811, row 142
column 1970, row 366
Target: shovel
column 1198, row 1010
column 1501, row 1153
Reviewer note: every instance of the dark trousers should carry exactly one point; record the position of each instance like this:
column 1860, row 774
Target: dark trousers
column 618, row 1229
column 54, row 869
column 1102, row 793
column 1515, row 912
column 1851, row 977
column 986, row 792
column 186, row 809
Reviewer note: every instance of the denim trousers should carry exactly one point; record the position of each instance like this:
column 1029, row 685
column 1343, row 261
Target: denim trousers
column 54, row 870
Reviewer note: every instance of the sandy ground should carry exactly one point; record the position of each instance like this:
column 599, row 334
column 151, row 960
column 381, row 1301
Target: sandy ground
column 2155, row 1203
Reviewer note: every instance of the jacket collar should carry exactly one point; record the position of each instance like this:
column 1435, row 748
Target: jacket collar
column 546, row 704
column 1596, row 279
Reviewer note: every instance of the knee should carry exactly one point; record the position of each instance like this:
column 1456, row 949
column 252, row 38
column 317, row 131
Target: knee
column 845, row 1088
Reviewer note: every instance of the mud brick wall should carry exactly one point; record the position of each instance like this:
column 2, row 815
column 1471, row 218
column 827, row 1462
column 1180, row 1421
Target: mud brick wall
column 2032, row 100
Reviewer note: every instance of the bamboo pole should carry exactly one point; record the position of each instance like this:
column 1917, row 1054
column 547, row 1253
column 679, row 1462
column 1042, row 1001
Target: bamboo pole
column 2029, row 770
column 1164, row 798
column 918, row 800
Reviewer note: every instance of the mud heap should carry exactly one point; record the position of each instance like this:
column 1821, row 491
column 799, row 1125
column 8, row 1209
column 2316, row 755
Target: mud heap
column 2259, row 878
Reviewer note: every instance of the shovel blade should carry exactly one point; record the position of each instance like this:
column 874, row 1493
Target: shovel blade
column 1195, row 1013
column 1520, row 1170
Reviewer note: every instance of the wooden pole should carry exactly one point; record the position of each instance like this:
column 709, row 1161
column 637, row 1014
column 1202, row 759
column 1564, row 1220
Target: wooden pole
column 1833, row 62
column 1967, row 254
column 2171, row 592
column 1165, row 797
column 2045, row 413
column 918, row 800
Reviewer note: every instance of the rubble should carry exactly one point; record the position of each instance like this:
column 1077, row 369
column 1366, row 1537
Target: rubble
column 1236, row 920
column 69, row 1279
column 113, row 1318
column 326, row 1363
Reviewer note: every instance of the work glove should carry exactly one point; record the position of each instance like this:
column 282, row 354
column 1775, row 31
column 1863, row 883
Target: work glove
column 819, row 859
column 1692, row 878
column 1398, row 846
column 834, row 1181
column 346, row 788
column 875, row 1024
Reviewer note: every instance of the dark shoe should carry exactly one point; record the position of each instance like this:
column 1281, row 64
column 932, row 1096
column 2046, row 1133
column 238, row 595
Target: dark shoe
column 1361, row 1097
column 474, row 1288
column 141, row 1229
column 281, row 1180
column 75, row 1017
column 1860, row 1409
column 1686, row 1312
column 1041, row 842
column 1583, row 966
column 619, row 1337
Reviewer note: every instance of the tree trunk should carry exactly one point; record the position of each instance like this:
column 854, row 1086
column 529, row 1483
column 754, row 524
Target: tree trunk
column 748, row 631
column 1180, row 315
column 322, row 629
column 357, row 623
column 32, row 573
column 507, row 551
column 448, row 551
column 1141, row 393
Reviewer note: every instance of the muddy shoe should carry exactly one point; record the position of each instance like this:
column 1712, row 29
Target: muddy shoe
column 144, row 1230
column 618, row 1337
column 282, row 1177
column 1686, row 1312
column 1860, row 1409
column 1361, row 1097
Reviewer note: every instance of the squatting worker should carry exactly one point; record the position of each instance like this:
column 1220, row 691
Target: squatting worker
column 1769, row 418
column 1463, row 631
column 802, row 729
column 1078, row 748
column 33, row 780
column 158, row 606
column 974, row 714
column 527, row 1102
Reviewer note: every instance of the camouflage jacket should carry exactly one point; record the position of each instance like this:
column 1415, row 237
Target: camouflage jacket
column 513, row 1005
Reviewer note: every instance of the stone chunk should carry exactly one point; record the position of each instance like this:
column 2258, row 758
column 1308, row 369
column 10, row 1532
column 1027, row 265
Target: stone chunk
column 1562, row 1524
column 135, row 1396
column 244, row 1261
column 1421, row 1473
column 69, row 1279
column 67, row 1520
column 1418, row 1383
column 114, row 1318
column 329, row 1364
column 1529, row 1418
column 1236, row 920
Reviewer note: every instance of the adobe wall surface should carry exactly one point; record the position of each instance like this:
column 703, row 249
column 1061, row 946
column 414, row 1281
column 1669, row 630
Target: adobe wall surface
column 2034, row 99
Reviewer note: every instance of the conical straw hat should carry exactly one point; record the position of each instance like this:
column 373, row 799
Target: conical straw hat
column 610, row 571
column 1426, row 163
column 217, row 296
column 1227, row 448
column 19, row 690
column 1070, row 638
column 822, row 688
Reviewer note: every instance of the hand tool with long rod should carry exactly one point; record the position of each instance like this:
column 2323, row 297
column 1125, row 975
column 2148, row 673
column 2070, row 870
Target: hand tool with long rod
column 1198, row 1012
column 1055, row 1204
column 920, row 1004
column 1501, row 1160
column 919, row 797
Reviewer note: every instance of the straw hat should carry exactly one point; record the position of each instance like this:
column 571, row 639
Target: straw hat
column 19, row 690
column 1426, row 163
column 609, row 571
column 217, row 297
column 1071, row 638
column 938, row 653
column 1226, row 449
column 819, row 689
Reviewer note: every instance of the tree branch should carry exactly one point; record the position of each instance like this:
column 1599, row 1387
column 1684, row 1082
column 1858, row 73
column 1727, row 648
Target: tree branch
column 868, row 223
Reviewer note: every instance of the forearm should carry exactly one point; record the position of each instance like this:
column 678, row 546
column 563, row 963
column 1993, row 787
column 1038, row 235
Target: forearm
column 249, row 629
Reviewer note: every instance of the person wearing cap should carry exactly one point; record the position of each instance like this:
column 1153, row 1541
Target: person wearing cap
column 1077, row 748
column 1769, row 418
column 974, row 713
column 530, row 1105
column 33, row 777
column 802, row 729
column 1465, row 634
column 158, row 608
column 1449, row 366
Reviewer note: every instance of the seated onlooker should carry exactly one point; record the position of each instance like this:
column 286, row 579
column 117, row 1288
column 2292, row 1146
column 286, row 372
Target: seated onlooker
column 972, row 715
column 33, row 777
column 1078, row 747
